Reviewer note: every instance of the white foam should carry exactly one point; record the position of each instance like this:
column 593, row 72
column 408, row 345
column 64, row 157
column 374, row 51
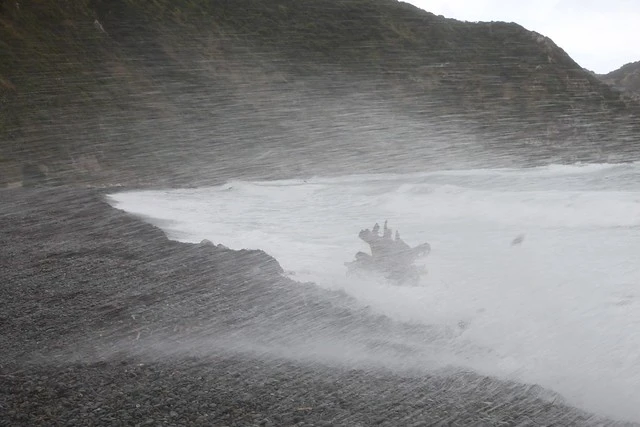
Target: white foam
column 561, row 309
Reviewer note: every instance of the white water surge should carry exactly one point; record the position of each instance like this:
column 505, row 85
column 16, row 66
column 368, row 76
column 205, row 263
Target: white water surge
column 560, row 309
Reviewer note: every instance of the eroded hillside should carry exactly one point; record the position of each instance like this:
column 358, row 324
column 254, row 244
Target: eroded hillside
column 187, row 91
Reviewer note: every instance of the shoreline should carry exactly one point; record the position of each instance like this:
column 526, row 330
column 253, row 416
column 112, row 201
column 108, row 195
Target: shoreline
column 105, row 320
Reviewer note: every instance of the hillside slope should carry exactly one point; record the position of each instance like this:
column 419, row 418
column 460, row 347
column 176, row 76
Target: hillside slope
column 185, row 91
column 625, row 78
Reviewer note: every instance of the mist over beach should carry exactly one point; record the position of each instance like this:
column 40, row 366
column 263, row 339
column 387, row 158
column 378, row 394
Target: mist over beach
column 188, row 190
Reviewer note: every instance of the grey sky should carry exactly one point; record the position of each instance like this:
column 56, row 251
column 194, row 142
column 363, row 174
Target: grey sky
column 599, row 35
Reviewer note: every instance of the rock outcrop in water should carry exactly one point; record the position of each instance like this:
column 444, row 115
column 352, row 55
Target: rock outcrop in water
column 188, row 91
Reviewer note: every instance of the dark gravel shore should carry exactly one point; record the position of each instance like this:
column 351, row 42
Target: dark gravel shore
column 104, row 321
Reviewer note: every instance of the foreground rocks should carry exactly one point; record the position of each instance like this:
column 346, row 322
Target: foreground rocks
column 104, row 321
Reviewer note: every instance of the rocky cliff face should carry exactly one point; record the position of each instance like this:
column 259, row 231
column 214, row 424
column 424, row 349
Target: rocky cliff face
column 191, row 91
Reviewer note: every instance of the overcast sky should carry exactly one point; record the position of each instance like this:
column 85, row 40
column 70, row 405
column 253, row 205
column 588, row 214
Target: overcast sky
column 600, row 35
